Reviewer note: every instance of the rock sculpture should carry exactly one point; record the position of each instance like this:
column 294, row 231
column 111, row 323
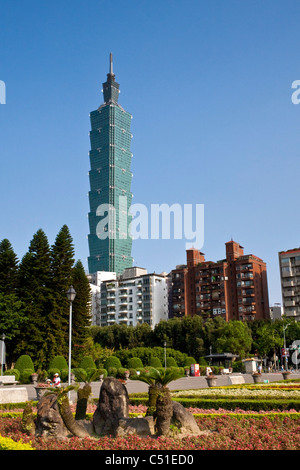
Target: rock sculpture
column 112, row 406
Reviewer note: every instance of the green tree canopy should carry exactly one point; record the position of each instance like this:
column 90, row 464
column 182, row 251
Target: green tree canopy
column 8, row 268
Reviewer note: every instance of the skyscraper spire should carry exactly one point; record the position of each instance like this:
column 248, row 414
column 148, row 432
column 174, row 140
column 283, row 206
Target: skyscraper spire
column 111, row 87
column 111, row 64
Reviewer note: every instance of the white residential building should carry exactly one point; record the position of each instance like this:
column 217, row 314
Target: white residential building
column 289, row 264
column 134, row 297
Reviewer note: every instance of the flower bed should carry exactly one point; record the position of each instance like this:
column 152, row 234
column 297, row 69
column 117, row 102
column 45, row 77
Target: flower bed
column 233, row 418
column 224, row 431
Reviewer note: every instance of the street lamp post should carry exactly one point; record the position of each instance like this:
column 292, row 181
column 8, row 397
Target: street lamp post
column 71, row 294
column 2, row 352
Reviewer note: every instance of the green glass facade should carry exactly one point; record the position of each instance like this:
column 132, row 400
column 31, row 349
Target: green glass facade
column 110, row 182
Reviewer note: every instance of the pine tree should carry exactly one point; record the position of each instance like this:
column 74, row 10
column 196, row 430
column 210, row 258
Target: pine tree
column 81, row 309
column 34, row 292
column 8, row 268
column 62, row 261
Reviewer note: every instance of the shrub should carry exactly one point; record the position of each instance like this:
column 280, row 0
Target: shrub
column 203, row 361
column 14, row 372
column 155, row 362
column 189, row 360
column 58, row 362
column 42, row 375
column 51, row 373
column 25, row 376
column 132, row 372
column 121, row 373
column 87, row 362
column 171, row 362
column 6, row 443
column 112, row 371
column 24, row 362
column 64, row 375
column 112, row 361
column 135, row 363
column 238, row 366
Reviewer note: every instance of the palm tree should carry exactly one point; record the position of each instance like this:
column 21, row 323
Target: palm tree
column 65, row 411
column 160, row 402
column 84, row 393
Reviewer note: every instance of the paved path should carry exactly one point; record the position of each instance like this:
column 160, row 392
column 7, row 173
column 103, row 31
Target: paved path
column 184, row 383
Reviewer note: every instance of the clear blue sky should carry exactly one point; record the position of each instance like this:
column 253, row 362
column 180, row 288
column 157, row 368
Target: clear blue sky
column 209, row 88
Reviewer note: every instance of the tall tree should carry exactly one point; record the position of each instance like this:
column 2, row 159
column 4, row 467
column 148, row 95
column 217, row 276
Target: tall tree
column 8, row 268
column 81, row 309
column 62, row 261
column 34, row 292
column 235, row 337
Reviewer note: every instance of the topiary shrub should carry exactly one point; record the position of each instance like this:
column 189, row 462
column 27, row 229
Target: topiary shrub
column 112, row 371
column 112, row 361
column 64, row 375
column 25, row 376
column 87, row 362
column 202, row 361
column 155, row 362
column 132, row 372
column 135, row 363
column 24, row 362
column 121, row 373
column 58, row 362
column 171, row 362
column 14, row 372
column 189, row 360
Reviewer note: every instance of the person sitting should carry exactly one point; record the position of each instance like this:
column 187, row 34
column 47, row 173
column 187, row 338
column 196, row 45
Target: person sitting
column 56, row 380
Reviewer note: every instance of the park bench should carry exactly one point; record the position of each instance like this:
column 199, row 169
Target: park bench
column 8, row 380
column 235, row 379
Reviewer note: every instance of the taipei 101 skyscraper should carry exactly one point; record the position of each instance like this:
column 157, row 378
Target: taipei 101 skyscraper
column 110, row 183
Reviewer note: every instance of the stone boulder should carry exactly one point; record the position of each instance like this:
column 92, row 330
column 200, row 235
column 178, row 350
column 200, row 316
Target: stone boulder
column 113, row 405
column 184, row 421
column 143, row 426
column 49, row 422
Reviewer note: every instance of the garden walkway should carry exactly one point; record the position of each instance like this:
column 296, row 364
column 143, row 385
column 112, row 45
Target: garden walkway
column 184, row 383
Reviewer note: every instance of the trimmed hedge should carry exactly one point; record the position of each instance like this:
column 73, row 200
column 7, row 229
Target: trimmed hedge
column 112, row 361
column 86, row 363
column 135, row 363
column 24, row 362
column 58, row 362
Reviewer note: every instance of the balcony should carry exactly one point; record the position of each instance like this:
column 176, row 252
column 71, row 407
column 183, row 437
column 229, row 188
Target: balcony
column 289, row 283
column 289, row 303
column 288, row 293
column 123, row 319
column 287, row 273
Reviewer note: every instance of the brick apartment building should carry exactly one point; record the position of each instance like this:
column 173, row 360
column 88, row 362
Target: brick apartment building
column 235, row 287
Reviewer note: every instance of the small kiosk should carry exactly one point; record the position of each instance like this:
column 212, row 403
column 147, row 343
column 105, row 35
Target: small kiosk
column 222, row 360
